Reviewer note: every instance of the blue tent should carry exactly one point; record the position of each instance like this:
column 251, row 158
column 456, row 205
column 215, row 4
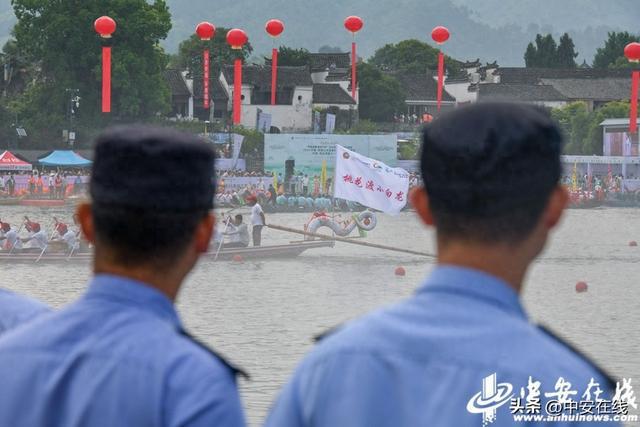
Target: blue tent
column 65, row 158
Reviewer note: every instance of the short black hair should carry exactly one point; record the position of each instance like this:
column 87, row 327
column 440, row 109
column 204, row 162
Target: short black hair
column 489, row 170
column 239, row 217
column 143, row 237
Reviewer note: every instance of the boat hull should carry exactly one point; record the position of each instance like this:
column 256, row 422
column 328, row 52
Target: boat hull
column 245, row 254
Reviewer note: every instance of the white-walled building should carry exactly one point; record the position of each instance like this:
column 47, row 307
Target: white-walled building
column 294, row 96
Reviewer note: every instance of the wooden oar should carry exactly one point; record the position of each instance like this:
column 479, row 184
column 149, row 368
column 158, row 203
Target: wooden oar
column 353, row 242
column 222, row 239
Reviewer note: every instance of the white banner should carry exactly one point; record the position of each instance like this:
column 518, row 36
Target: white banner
column 331, row 123
column 370, row 182
column 237, row 147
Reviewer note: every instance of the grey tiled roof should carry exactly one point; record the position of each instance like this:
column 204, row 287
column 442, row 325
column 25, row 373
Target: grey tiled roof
column 260, row 76
column 595, row 89
column 533, row 75
column 421, row 87
column 329, row 61
column 518, row 92
column 176, row 83
column 330, row 94
column 216, row 91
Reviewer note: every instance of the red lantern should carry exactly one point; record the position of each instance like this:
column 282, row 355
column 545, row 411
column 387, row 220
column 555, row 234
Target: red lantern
column 440, row 34
column 237, row 38
column 632, row 52
column 353, row 24
column 206, row 31
column 274, row 27
column 105, row 26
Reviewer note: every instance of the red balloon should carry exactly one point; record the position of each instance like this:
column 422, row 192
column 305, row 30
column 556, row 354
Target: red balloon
column 237, row 38
column 353, row 24
column 440, row 34
column 206, row 30
column 274, row 27
column 105, row 26
column 632, row 52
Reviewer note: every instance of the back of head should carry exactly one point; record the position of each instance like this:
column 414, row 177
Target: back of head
column 150, row 188
column 489, row 170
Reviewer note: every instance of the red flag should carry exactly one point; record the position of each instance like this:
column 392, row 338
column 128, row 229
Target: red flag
column 274, row 75
column 633, row 110
column 440, row 78
column 106, row 79
column 205, row 84
column 237, row 92
column 354, row 82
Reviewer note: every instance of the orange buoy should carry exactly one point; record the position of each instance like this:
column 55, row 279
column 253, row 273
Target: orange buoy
column 238, row 258
column 633, row 244
column 400, row 271
column 581, row 287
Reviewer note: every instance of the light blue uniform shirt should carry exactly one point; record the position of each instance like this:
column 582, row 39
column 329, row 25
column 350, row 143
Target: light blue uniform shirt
column 116, row 357
column 18, row 309
column 420, row 362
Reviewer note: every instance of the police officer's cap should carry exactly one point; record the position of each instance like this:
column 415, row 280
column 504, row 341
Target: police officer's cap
column 488, row 158
column 147, row 168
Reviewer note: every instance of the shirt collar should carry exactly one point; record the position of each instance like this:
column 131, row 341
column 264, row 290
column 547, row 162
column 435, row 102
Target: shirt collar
column 474, row 284
column 135, row 294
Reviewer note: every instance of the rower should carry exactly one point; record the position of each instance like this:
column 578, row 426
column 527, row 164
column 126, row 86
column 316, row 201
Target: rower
column 37, row 239
column 9, row 238
column 238, row 233
column 65, row 235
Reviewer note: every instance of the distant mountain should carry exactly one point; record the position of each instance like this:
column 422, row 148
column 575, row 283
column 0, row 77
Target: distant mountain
column 488, row 29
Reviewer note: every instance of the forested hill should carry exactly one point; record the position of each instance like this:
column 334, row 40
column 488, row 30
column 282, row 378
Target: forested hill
column 489, row 29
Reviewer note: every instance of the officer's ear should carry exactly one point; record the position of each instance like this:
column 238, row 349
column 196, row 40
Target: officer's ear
column 558, row 201
column 85, row 219
column 420, row 202
column 203, row 233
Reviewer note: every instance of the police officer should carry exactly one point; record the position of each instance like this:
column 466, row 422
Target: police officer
column 120, row 356
column 491, row 190
column 18, row 309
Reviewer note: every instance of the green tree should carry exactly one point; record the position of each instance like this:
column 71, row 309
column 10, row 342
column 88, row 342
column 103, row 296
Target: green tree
column 574, row 119
column 411, row 56
column 58, row 38
column 612, row 53
column 381, row 95
column 189, row 55
column 363, row 127
column 288, row 56
column 566, row 53
column 544, row 54
column 582, row 128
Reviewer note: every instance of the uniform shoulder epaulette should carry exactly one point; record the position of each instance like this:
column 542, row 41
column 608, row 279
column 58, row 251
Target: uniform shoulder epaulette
column 327, row 333
column 236, row 370
column 611, row 382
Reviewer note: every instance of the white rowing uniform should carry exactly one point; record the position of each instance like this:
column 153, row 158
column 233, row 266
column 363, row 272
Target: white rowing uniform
column 11, row 240
column 239, row 234
column 70, row 239
column 38, row 240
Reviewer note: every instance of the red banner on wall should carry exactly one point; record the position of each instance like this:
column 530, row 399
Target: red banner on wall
column 205, row 83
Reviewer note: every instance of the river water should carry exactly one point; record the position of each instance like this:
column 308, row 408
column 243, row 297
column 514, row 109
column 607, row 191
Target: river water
column 263, row 315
